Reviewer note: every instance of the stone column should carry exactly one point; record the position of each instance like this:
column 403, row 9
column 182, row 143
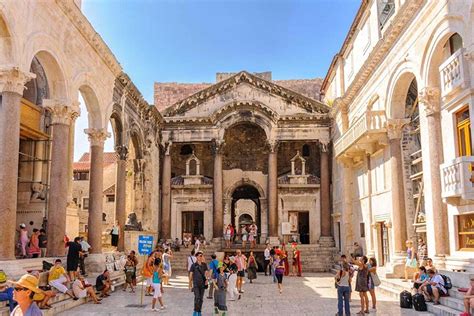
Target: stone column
column 347, row 216
column 166, row 193
column 371, row 244
column 272, row 190
column 71, row 153
column 218, row 214
column 61, row 117
column 394, row 132
column 436, row 213
column 324, row 192
column 12, row 83
column 120, row 192
column 97, row 138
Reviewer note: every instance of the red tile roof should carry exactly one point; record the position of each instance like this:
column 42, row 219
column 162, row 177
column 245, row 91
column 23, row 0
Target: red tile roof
column 84, row 162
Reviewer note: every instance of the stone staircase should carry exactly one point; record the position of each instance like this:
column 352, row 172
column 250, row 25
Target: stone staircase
column 179, row 262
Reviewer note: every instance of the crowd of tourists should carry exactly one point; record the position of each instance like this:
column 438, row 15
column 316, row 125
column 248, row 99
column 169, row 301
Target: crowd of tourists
column 31, row 245
column 247, row 233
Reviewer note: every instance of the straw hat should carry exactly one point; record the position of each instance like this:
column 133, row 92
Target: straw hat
column 28, row 281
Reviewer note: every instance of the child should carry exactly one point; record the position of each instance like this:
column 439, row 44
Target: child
column 220, row 291
column 232, row 283
column 129, row 271
column 158, row 289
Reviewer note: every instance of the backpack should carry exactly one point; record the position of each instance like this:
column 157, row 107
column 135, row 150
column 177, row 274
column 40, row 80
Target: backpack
column 419, row 303
column 405, row 299
column 47, row 265
column 447, row 282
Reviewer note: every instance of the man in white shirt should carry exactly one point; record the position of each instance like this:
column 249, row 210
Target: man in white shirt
column 434, row 287
column 191, row 260
column 85, row 252
column 266, row 255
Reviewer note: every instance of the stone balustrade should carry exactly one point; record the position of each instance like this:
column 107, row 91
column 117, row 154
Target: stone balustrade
column 370, row 122
column 457, row 179
column 453, row 73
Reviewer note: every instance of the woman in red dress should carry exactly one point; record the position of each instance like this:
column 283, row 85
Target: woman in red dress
column 284, row 258
column 296, row 260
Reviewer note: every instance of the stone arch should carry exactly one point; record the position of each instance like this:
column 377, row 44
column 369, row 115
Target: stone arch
column 92, row 105
column 397, row 94
column 230, row 190
column 117, row 128
column 7, row 48
column 136, row 140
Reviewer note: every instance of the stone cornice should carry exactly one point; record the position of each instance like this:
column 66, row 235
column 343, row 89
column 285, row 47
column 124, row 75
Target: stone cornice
column 97, row 136
column 391, row 34
column 310, row 105
column 243, row 105
column 61, row 112
column 429, row 98
column 14, row 80
column 92, row 37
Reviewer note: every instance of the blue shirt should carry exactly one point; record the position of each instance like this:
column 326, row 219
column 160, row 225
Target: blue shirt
column 214, row 266
column 33, row 310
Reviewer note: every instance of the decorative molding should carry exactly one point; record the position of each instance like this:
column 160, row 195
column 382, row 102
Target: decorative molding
column 429, row 97
column 14, row 80
column 324, row 146
column 122, row 152
column 167, row 147
column 97, row 136
column 395, row 127
column 273, row 145
column 61, row 113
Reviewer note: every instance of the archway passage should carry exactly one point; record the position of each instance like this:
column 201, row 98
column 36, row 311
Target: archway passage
column 241, row 216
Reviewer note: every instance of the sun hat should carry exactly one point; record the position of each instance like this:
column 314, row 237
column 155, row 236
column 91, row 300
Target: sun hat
column 22, row 225
column 29, row 282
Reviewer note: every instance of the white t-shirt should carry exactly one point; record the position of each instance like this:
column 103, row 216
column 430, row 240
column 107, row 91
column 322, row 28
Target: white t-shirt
column 191, row 260
column 266, row 254
column 197, row 244
column 438, row 279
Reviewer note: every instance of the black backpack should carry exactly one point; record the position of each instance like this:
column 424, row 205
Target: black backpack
column 419, row 303
column 447, row 282
column 405, row 299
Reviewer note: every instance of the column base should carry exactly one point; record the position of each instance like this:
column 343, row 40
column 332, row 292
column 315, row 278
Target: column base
column 327, row 241
column 95, row 263
column 439, row 261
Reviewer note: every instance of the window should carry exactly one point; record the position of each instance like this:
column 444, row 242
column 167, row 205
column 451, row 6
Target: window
column 455, row 43
column 81, row 176
column 362, row 230
column 463, row 128
column 85, row 203
column 110, row 198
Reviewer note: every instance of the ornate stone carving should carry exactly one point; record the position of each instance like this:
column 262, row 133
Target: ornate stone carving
column 133, row 223
column 14, row 80
column 429, row 97
column 217, row 146
column 167, row 148
column 122, row 152
column 324, row 146
column 395, row 128
column 97, row 136
column 272, row 145
column 61, row 113
column 38, row 192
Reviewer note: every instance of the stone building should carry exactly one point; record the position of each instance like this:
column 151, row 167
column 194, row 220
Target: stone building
column 401, row 96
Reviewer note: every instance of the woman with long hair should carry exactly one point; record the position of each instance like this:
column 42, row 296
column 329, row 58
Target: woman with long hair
column 410, row 263
column 33, row 248
column 252, row 267
column 362, row 285
column 343, row 280
column 372, row 267
column 279, row 271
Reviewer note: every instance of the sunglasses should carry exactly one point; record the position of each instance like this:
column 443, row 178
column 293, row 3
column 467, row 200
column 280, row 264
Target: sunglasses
column 19, row 289
column 199, row 255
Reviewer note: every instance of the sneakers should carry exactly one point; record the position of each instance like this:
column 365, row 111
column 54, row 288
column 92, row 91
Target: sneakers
column 162, row 307
column 154, row 309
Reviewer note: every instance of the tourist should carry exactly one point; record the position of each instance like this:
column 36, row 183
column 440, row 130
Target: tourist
column 253, row 234
column 167, row 256
column 187, row 241
column 411, row 259
column 358, row 250
column 429, row 265
column 372, row 268
column 202, row 239
column 134, row 259
column 266, row 259
column 279, row 268
column 43, row 241
column 252, row 267
column 197, row 244
column 343, row 281
column 129, row 271
column 232, row 280
column 244, row 233
column 226, row 264
column 58, row 278
column 103, row 284
column 24, row 292
column 272, row 257
column 433, row 288
column 241, row 262
column 362, row 285
column 23, row 239
column 422, row 252
column 199, row 275
column 82, row 289
column 220, row 285
column 42, row 298
column 66, row 244
column 33, row 249
column 214, row 268
column 176, row 245
column 469, row 298
column 6, row 292
column 422, row 276
column 232, row 234
column 228, row 235
column 147, row 272
column 191, row 260
column 284, row 258
column 73, row 255
column 343, row 261
column 114, row 233
column 157, row 286
column 85, row 248
column 296, row 260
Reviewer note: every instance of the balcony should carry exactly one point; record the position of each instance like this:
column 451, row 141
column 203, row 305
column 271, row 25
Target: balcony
column 457, row 179
column 364, row 130
column 453, row 74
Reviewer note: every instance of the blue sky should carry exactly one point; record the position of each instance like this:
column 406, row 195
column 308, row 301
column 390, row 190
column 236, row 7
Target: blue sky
column 191, row 40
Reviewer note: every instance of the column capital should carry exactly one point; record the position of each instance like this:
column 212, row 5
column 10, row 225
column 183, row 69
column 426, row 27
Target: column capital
column 429, row 97
column 122, row 152
column 14, row 80
column 217, row 146
column 97, row 136
column 273, row 145
column 324, row 145
column 61, row 113
column 167, row 147
column 395, row 127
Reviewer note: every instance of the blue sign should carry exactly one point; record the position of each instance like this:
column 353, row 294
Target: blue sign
column 145, row 244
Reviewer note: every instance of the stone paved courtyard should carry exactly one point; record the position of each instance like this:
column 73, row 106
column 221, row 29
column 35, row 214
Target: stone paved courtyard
column 313, row 294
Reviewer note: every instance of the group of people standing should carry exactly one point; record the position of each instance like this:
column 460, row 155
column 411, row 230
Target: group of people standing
column 34, row 245
column 248, row 233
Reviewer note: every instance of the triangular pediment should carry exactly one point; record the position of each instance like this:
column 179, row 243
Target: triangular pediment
column 306, row 105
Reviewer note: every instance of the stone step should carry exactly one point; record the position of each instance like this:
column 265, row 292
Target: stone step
column 441, row 310
column 458, row 279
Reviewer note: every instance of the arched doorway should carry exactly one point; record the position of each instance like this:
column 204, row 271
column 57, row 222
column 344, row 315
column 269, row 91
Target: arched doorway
column 240, row 217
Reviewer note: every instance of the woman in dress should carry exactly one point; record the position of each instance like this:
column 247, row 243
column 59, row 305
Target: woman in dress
column 129, row 271
column 362, row 285
column 115, row 234
column 253, row 235
column 167, row 266
column 23, row 239
column 245, row 234
column 296, row 260
column 410, row 263
column 228, row 235
column 372, row 266
column 34, row 249
column 81, row 289
column 284, row 258
column 252, row 267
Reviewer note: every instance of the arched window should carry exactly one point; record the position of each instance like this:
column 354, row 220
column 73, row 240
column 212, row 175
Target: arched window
column 453, row 44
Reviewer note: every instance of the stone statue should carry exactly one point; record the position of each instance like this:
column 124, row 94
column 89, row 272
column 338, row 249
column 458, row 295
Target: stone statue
column 133, row 223
column 38, row 192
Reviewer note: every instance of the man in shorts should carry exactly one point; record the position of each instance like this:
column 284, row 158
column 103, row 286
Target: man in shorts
column 434, row 287
column 241, row 262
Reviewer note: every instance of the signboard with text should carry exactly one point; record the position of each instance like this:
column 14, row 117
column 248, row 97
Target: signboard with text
column 145, row 244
